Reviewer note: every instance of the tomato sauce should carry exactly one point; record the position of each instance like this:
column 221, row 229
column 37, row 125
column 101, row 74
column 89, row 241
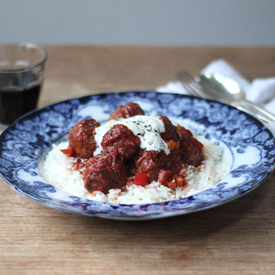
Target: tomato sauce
column 124, row 156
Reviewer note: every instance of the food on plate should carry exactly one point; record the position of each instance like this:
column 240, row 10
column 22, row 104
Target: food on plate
column 125, row 150
column 134, row 158
column 128, row 110
column 81, row 137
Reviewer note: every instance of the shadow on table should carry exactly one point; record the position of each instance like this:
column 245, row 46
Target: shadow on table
column 234, row 230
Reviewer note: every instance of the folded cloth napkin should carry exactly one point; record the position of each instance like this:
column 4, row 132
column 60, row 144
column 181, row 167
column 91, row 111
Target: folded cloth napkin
column 260, row 90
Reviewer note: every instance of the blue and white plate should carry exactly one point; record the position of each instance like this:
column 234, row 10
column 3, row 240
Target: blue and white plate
column 247, row 142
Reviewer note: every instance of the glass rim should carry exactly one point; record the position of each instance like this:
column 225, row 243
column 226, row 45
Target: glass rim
column 27, row 45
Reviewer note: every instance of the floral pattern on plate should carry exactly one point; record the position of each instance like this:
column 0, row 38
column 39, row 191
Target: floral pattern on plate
column 24, row 144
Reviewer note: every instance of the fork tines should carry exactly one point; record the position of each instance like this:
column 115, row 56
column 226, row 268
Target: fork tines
column 193, row 87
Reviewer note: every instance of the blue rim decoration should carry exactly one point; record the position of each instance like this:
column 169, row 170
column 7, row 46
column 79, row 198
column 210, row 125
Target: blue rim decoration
column 24, row 145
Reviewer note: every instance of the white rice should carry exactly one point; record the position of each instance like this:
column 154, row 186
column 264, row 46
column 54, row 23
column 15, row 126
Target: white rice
column 58, row 171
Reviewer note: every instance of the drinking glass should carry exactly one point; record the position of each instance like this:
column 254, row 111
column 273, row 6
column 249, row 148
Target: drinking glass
column 22, row 70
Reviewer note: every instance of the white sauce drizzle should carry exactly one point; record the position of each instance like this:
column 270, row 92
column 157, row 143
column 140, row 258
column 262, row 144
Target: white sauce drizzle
column 147, row 128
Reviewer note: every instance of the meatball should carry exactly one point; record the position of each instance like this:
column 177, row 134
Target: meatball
column 190, row 148
column 121, row 139
column 170, row 161
column 105, row 171
column 170, row 130
column 81, row 138
column 128, row 110
column 147, row 163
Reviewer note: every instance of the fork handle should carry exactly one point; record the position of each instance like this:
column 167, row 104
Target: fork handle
column 258, row 111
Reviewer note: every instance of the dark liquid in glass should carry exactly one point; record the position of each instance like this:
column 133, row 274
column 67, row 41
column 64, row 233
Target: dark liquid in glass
column 14, row 104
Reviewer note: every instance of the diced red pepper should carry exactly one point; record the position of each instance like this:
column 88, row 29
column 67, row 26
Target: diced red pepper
column 179, row 181
column 172, row 184
column 171, row 144
column 164, row 176
column 69, row 152
column 140, row 179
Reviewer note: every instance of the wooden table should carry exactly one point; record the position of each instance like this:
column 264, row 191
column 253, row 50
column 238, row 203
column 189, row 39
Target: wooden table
column 236, row 238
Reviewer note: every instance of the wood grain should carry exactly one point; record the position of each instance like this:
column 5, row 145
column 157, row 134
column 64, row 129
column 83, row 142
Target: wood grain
column 235, row 238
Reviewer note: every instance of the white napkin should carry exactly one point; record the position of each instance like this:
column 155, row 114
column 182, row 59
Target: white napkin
column 260, row 90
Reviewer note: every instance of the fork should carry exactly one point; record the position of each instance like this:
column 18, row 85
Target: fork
column 194, row 88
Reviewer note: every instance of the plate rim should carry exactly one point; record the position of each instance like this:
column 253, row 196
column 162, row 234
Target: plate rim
column 138, row 215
